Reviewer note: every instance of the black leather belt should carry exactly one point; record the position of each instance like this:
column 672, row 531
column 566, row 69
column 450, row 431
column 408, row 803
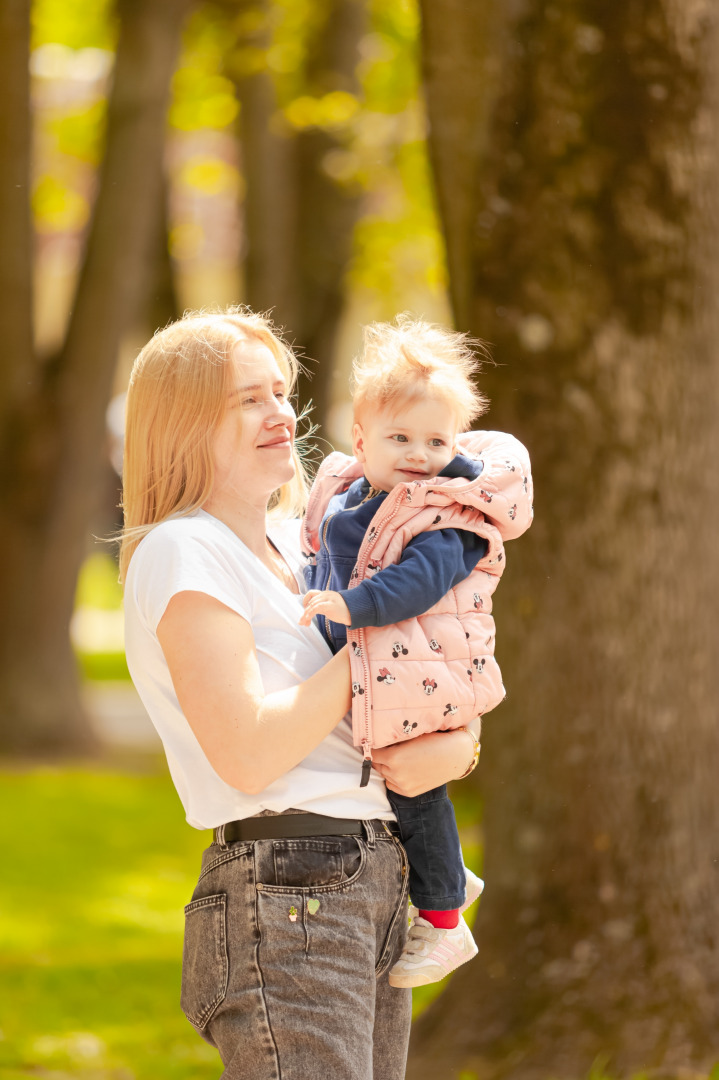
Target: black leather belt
column 279, row 826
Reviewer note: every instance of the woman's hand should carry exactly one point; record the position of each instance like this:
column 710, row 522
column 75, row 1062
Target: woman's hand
column 325, row 602
column 424, row 763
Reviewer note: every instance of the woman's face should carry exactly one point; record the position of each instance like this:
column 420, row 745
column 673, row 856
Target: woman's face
column 252, row 447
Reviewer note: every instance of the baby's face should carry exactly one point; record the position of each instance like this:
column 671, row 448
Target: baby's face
column 411, row 442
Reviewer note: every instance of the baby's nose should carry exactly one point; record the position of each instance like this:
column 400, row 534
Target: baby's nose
column 417, row 453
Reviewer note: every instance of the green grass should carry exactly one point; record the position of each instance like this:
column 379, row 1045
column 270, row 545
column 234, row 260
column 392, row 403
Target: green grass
column 99, row 590
column 91, row 894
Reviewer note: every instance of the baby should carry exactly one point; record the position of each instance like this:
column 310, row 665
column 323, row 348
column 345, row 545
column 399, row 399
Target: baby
column 405, row 549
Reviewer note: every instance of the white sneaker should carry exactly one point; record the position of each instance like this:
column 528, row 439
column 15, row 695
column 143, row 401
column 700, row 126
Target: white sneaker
column 473, row 889
column 431, row 953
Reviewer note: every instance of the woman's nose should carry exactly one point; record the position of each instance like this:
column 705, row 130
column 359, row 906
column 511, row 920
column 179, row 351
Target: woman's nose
column 278, row 412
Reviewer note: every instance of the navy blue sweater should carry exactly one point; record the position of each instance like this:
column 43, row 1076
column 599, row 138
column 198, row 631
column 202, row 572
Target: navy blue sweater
column 430, row 565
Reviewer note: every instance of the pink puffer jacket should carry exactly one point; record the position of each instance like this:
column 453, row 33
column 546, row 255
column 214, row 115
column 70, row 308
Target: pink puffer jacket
column 436, row 671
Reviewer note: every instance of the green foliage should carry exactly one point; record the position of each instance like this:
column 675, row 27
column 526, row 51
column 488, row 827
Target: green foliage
column 57, row 207
column 76, row 23
column 398, row 247
column 80, row 134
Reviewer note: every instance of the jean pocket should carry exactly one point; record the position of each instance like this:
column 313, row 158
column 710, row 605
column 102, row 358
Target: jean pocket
column 310, row 863
column 204, row 959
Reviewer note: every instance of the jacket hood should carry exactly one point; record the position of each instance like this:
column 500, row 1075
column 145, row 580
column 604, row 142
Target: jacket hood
column 502, row 491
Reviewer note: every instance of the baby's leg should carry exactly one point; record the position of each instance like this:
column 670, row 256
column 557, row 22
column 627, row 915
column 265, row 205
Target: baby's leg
column 439, row 939
column 428, row 830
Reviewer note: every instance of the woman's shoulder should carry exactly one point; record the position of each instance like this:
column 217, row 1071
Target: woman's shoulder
column 181, row 538
column 193, row 552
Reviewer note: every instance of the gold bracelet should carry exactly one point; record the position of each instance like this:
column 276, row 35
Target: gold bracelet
column 475, row 755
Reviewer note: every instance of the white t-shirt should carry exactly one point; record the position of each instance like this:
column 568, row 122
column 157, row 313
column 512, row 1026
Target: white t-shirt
column 199, row 553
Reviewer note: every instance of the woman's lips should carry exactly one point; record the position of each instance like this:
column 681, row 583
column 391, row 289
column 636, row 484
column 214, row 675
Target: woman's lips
column 276, row 444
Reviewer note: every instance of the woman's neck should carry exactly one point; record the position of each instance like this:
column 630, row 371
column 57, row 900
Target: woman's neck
column 247, row 521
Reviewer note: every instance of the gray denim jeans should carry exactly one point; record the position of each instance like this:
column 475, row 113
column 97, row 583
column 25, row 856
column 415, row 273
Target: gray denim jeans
column 287, row 948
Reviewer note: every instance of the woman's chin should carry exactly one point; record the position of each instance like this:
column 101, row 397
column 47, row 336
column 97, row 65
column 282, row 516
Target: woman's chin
column 283, row 473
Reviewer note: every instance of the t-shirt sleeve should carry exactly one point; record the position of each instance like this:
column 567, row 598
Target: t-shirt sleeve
column 169, row 563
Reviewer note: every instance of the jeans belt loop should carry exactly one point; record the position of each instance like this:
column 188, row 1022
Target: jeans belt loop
column 220, row 836
column 369, row 830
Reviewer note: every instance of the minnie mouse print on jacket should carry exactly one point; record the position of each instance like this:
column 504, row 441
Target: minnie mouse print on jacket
column 417, row 568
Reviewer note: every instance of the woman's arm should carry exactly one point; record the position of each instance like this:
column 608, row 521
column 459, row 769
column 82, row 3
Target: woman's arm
column 426, row 762
column 250, row 738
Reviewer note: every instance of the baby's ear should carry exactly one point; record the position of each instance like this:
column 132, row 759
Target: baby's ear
column 358, row 442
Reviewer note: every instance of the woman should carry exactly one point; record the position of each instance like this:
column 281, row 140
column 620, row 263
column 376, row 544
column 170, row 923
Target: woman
column 300, row 908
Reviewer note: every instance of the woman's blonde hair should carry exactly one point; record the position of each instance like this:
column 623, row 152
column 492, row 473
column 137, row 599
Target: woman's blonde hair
column 176, row 399
column 408, row 359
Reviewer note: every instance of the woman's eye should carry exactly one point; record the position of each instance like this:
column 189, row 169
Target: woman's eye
column 281, row 396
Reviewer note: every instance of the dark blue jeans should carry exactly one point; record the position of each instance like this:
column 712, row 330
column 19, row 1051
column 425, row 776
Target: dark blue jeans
column 429, row 834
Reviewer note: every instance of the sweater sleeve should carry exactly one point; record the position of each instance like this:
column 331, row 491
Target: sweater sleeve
column 431, row 564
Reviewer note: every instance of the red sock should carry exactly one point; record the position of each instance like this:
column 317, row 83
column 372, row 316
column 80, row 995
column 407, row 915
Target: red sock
column 442, row 920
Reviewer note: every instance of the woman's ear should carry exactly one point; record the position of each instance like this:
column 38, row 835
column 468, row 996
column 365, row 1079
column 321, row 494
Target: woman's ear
column 358, row 443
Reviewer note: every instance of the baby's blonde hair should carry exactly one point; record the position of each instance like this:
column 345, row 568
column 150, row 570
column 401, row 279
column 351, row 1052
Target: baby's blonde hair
column 409, row 359
column 176, row 400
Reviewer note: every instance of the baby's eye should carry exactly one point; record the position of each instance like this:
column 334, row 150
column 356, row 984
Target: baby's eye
column 399, row 438
column 436, row 442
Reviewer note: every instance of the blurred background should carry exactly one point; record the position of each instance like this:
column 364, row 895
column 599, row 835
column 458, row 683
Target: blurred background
column 543, row 176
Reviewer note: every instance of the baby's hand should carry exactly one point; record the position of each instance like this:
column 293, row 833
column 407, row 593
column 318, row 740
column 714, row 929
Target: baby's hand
column 327, row 603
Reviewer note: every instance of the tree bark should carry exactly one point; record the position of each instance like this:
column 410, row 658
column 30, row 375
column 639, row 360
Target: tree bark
column 328, row 209
column 299, row 220
column 589, row 261
column 52, row 442
column 268, row 165
column 15, row 223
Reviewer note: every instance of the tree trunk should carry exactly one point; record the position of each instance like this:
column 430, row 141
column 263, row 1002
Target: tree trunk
column 328, row 208
column 15, row 224
column 299, row 220
column 589, row 260
column 52, row 443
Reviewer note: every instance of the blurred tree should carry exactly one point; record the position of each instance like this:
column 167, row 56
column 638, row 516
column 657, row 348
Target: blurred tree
column 575, row 154
column 299, row 209
column 52, row 410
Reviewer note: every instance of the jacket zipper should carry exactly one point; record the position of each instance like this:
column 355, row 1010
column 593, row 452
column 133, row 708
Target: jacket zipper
column 360, row 565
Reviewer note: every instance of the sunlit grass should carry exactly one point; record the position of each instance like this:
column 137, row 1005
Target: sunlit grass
column 97, row 623
column 91, row 895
